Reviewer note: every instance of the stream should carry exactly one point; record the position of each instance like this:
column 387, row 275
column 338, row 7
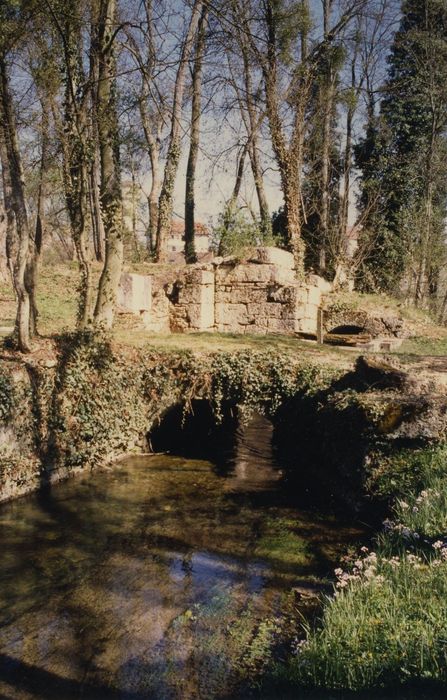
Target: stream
column 163, row 577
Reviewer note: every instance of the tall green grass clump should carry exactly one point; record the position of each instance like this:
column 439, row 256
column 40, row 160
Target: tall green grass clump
column 386, row 624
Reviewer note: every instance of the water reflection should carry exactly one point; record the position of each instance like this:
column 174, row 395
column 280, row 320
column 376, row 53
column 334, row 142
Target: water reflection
column 150, row 581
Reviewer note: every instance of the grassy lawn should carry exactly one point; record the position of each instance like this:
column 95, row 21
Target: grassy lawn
column 427, row 345
column 57, row 294
column 56, row 299
column 211, row 342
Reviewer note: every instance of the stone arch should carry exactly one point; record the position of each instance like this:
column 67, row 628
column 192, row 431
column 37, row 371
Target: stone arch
column 238, row 448
column 192, row 430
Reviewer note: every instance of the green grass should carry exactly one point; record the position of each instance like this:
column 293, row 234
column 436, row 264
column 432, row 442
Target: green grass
column 212, row 342
column 387, row 622
column 407, row 471
column 425, row 512
column 56, row 300
column 380, row 631
column 357, row 301
column 421, row 345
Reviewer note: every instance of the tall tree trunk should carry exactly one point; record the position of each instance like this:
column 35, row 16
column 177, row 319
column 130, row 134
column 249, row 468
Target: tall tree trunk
column 75, row 196
column 196, row 112
column 11, row 240
column 111, row 196
column 94, row 162
column 325, row 178
column 347, row 165
column 32, row 269
column 264, row 212
column 73, row 136
column 154, row 157
column 288, row 157
column 134, row 201
column 95, row 209
column 9, row 136
column 328, row 105
column 165, row 203
column 4, row 271
column 423, row 267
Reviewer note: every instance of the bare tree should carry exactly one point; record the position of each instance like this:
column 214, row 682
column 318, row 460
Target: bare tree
column 250, row 107
column 151, row 98
column 196, row 113
column 165, row 202
column 111, row 195
column 15, row 199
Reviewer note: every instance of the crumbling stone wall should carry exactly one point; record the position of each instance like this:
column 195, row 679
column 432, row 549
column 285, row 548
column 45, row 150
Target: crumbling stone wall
column 259, row 295
column 192, row 301
column 386, row 324
column 135, row 296
column 262, row 295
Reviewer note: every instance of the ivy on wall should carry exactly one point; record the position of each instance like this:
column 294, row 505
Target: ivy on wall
column 96, row 400
column 7, row 397
column 107, row 398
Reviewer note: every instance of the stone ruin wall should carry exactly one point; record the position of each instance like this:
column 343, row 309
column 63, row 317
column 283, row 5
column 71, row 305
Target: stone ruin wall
column 259, row 296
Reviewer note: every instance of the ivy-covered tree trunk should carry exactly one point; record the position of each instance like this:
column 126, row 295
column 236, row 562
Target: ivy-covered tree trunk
column 15, row 175
column 32, row 269
column 154, row 156
column 196, row 111
column 9, row 218
column 73, row 136
column 111, row 196
column 165, row 202
column 94, row 160
column 288, row 154
column 95, row 209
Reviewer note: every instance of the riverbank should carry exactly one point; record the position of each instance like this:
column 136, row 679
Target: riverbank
column 386, row 625
column 367, row 437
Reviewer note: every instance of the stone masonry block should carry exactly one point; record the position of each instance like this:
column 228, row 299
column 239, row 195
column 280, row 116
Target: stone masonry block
column 306, row 325
column 134, row 293
column 280, row 325
column 269, row 255
column 246, row 294
column 314, row 296
column 283, row 276
column 244, row 273
column 231, row 314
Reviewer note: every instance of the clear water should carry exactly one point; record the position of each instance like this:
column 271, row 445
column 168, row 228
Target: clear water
column 161, row 578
